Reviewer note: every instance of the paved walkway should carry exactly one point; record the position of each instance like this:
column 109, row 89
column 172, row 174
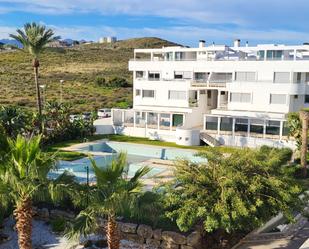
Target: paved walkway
column 287, row 243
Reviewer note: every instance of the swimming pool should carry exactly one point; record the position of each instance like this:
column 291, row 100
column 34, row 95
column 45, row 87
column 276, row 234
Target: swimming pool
column 137, row 156
column 150, row 151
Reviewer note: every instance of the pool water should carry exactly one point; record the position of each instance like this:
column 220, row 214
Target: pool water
column 143, row 150
column 137, row 157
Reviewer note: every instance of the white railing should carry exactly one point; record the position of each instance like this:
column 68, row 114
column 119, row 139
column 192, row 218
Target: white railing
column 220, row 84
column 223, row 59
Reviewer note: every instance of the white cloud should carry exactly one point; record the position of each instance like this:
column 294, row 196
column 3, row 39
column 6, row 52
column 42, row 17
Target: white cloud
column 188, row 35
column 238, row 12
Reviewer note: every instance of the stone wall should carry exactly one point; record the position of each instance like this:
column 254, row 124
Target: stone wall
column 157, row 238
column 142, row 234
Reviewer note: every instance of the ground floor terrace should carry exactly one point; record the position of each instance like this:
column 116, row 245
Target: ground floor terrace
column 167, row 121
column 213, row 129
column 247, row 131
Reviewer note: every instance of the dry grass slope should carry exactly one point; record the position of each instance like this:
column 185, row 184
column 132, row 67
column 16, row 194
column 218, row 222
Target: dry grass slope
column 78, row 67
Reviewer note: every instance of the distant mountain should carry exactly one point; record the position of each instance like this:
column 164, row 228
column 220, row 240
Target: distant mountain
column 11, row 42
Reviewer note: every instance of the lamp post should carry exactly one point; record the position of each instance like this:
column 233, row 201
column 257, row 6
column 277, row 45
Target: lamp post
column 43, row 90
column 61, row 92
column 87, row 170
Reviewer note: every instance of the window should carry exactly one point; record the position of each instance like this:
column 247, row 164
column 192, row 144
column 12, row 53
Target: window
column 179, row 56
column 154, row 76
column 256, row 126
column 295, row 96
column 272, row 127
column 306, row 99
column 245, row 76
column 281, row 77
column 177, row 120
column 200, row 76
column 169, row 56
column 209, row 94
column 137, row 92
column 261, row 54
column 307, row 77
column 177, row 94
column 298, row 78
column 278, row 99
column 226, row 124
column 211, row 123
column 182, row 75
column 274, row 54
column 139, row 74
column 241, row 125
column 241, row 97
column 148, row 93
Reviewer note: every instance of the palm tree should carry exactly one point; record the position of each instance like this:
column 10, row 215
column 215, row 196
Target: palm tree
column 34, row 38
column 110, row 196
column 13, row 120
column 24, row 178
column 304, row 116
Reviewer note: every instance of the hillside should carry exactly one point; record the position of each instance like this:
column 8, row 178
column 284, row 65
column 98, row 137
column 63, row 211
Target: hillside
column 78, row 67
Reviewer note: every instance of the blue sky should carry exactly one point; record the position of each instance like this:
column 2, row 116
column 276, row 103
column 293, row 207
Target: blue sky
column 183, row 21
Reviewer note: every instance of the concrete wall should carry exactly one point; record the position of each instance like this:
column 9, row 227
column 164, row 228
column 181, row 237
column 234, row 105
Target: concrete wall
column 251, row 142
column 104, row 126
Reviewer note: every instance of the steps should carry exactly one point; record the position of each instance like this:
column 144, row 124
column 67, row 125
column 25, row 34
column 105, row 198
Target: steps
column 208, row 139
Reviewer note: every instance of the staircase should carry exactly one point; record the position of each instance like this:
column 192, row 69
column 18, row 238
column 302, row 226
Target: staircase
column 211, row 141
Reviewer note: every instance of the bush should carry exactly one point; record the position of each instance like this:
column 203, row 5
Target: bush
column 239, row 191
column 100, row 81
column 117, row 82
column 58, row 225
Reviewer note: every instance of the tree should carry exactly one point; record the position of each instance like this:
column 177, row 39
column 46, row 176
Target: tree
column 34, row 38
column 108, row 198
column 304, row 116
column 13, row 120
column 239, row 191
column 295, row 128
column 24, row 178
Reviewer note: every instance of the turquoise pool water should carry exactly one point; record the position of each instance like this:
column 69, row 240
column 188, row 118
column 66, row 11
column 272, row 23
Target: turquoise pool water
column 137, row 155
column 143, row 150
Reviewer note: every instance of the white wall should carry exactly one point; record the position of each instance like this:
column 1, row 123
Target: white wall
column 164, row 135
column 240, row 141
column 161, row 93
column 261, row 89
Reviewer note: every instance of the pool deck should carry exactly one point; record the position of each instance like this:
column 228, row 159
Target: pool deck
column 77, row 147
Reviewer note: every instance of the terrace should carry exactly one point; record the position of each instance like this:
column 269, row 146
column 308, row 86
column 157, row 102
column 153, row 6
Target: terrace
column 147, row 119
column 269, row 52
column 246, row 127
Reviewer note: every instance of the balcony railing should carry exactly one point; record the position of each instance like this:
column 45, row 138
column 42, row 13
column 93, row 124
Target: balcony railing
column 217, row 83
column 226, row 58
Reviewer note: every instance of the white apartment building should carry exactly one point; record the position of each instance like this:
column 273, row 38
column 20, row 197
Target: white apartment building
column 229, row 95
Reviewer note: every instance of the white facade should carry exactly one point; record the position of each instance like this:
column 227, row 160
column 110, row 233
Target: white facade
column 108, row 39
column 240, row 95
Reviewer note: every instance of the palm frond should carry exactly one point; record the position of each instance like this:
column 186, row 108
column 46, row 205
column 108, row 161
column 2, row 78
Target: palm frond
column 34, row 37
column 84, row 224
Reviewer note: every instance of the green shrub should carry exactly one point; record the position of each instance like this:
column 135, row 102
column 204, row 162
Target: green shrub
column 239, row 191
column 100, row 81
column 58, row 225
column 117, row 82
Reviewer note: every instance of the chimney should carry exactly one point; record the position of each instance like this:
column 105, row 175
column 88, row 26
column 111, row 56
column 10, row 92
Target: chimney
column 201, row 44
column 247, row 44
column 237, row 43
